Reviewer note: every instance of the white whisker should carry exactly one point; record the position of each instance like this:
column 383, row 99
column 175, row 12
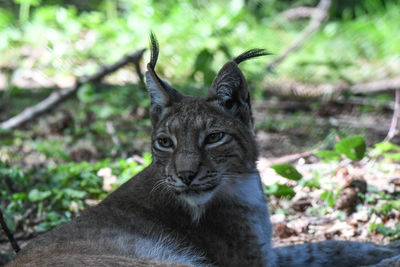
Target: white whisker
column 160, row 184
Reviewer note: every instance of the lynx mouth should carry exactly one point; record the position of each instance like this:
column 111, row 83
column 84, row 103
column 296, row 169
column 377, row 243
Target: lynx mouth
column 197, row 190
column 194, row 188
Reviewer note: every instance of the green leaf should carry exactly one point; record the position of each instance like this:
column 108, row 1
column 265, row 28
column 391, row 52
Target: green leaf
column 287, row 171
column 6, row 18
column 203, row 65
column 73, row 193
column 36, row 195
column 86, row 93
column 279, row 190
column 328, row 155
column 312, row 183
column 9, row 221
column 393, row 156
column 147, row 158
column 381, row 148
column 387, row 231
column 329, row 198
column 352, row 147
column 19, row 196
column 387, row 207
column 203, row 60
column 28, row 2
column 372, row 227
column 387, row 150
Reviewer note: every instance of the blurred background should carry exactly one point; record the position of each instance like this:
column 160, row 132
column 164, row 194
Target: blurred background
column 51, row 42
column 331, row 79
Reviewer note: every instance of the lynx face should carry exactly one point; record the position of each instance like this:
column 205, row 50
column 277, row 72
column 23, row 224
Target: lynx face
column 202, row 144
column 201, row 148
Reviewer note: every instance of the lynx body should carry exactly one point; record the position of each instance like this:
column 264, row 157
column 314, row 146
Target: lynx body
column 200, row 202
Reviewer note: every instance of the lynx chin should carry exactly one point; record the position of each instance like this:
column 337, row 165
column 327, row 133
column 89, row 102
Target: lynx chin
column 200, row 202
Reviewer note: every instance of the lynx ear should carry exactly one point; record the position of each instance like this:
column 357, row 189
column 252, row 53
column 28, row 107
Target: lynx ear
column 229, row 88
column 161, row 93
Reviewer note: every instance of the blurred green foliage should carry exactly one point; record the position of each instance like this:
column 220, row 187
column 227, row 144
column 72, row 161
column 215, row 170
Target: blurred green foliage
column 50, row 173
column 387, row 150
column 56, row 193
column 197, row 37
column 394, row 234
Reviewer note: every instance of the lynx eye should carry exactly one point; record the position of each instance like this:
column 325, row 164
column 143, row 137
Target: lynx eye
column 214, row 137
column 165, row 142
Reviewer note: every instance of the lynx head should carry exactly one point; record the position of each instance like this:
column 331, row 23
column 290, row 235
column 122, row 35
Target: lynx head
column 202, row 144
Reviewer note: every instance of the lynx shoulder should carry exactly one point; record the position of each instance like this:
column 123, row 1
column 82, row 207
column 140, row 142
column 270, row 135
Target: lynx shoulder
column 199, row 203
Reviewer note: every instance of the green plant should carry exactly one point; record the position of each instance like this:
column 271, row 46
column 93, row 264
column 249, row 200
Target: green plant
column 24, row 9
column 386, row 150
column 287, row 171
column 58, row 193
column 283, row 190
column 279, row 190
column 388, row 206
column 394, row 234
column 351, row 147
column 329, row 197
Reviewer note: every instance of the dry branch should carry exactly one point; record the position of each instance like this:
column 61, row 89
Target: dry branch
column 298, row 13
column 297, row 88
column 289, row 158
column 8, row 233
column 294, row 103
column 395, row 118
column 370, row 87
column 319, row 14
column 61, row 95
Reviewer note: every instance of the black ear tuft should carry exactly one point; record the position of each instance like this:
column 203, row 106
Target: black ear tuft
column 229, row 88
column 154, row 50
column 161, row 93
column 257, row 52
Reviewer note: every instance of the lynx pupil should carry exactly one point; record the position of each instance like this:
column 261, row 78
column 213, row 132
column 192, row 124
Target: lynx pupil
column 165, row 142
column 214, row 137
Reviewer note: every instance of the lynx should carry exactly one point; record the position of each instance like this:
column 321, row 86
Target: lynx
column 199, row 203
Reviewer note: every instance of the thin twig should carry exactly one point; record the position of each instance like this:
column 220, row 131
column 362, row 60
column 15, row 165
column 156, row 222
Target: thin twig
column 300, row 12
column 140, row 75
column 320, row 14
column 289, row 158
column 111, row 131
column 114, row 138
column 61, row 95
column 304, row 89
column 376, row 86
column 300, row 103
column 395, row 118
column 8, row 233
column 5, row 100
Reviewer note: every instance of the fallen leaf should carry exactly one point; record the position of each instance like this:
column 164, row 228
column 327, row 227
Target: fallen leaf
column 281, row 230
column 108, row 179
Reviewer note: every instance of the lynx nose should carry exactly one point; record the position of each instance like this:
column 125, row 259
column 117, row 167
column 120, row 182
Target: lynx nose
column 186, row 176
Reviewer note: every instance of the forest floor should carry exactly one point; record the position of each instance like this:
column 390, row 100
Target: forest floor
column 308, row 216
column 288, row 133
